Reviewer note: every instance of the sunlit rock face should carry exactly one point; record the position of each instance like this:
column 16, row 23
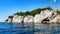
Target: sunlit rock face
column 44, row 14
column 17, row 18
column 56, row 19
column 28, row 19
column 37, row 18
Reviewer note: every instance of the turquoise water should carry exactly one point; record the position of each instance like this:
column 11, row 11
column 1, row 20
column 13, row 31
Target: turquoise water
column 29, row 28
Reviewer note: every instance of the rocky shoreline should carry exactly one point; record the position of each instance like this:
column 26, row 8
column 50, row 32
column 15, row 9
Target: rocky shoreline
column 46, row 16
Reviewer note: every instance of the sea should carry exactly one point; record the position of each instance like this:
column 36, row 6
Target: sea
column 28, row 28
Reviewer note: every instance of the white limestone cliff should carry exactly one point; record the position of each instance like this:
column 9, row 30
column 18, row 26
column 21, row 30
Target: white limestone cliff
column 38, row 18
column 28, row 19
column 17, row 18
column 56, row 19
column 44, row 14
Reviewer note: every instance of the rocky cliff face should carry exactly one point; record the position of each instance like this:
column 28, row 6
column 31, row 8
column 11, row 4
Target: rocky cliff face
column 56, row 19
column 45, row 16
column 17, row 18
column 29, row 19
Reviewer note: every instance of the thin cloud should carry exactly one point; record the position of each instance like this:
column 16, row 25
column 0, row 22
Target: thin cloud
column 54, row 0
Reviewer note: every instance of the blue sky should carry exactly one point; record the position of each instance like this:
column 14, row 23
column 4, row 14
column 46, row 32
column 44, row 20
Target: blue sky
column 9, row 7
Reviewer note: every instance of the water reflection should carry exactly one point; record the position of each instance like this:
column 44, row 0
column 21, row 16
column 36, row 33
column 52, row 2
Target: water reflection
column 29, row 28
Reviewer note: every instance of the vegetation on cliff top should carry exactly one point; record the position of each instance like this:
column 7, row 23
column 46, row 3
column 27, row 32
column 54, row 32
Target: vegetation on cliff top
column 33, row 12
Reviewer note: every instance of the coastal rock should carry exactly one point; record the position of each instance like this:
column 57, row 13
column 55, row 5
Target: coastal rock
column 37, row 18
column 56, row 19
column 9, row 20
column 43, row 15
column 17, row 18
column 28, row 19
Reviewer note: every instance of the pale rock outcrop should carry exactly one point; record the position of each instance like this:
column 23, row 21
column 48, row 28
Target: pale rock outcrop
column 28, row 19
column 56, row 19
column 44, row 14
column 37, row 18
column 54, row 13
column 17, row 18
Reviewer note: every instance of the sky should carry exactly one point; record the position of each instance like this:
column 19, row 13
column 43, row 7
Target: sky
column 9, row 7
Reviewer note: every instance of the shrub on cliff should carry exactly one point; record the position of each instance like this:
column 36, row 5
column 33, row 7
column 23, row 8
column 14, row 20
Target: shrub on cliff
column 36, row 11
column 33, row 12
column 10, row 17
column 49, row 8
column 58, row 12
